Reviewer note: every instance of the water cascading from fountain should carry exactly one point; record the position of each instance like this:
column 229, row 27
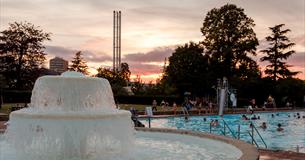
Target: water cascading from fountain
column 70, row 117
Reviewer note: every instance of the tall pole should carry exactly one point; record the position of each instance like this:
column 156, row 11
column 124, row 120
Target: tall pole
column 119, row 41
column 114, row 41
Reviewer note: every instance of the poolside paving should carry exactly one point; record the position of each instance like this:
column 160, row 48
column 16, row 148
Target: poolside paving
column 280, row 155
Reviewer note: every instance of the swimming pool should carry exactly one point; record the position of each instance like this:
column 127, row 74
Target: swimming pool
column 291, row 138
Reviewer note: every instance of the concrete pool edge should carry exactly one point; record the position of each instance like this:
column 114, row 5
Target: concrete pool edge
column 249, row 152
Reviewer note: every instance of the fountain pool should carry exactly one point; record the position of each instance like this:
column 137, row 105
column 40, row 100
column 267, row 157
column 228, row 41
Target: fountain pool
column 73, row 117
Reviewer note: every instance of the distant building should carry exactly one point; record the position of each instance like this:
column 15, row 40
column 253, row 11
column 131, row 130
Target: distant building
column 58, row 64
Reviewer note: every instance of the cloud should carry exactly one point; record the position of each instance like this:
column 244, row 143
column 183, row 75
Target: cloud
column 68, row 54
column 155, row 55
column 149, row 64
column 146, row 24
column 144, row 69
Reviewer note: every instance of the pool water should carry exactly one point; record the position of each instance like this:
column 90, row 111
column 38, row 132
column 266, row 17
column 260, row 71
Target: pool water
column 291, row 138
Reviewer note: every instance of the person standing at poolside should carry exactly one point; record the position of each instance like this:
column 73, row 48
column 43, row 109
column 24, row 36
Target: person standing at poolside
column 186, row 106
column 154, row 105
column 174, row 107
column 210, row 107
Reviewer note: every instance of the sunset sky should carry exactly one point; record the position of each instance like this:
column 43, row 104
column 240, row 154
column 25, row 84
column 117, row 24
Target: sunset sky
column 151, row 29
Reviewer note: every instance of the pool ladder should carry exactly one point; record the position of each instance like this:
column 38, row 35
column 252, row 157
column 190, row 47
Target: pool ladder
column 224, row 130
column 251, row 134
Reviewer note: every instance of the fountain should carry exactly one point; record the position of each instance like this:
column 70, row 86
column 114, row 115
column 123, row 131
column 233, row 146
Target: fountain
column 73, row 117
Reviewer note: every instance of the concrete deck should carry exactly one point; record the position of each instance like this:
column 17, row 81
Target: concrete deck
column 280, row 155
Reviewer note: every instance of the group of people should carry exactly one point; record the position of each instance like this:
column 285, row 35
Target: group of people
column 199, row 103
column 279, row 126
column 264, row 124
column 163, row 105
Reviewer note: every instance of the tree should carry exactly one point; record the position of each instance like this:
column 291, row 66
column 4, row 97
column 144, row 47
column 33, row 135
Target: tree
column 229, row 39
column 125, row 72
column 187, row 69
column 276, row 53
column 79, row 64
column 21, row 54
column 117, row 80
column 138, row 86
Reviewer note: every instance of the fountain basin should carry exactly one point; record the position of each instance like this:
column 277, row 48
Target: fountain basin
column 164, row 144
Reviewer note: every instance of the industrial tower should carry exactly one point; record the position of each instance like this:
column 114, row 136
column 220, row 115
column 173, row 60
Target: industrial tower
column 116, row 41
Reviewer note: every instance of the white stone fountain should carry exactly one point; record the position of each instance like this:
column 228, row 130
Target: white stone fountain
column 70, row 116
column 73, row 117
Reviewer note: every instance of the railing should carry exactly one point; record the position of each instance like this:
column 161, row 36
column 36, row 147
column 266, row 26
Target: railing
column 251, row 134
column 224, row 128
column 254, row 128
column 225, row 125
column 253, row 140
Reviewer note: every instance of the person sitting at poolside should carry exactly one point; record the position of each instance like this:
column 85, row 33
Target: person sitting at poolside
column 279, row 127
column 250, row 109
column 264, row 126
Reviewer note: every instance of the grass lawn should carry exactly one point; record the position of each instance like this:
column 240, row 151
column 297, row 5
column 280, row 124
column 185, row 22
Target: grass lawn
column 141, row 107
column 6, row 108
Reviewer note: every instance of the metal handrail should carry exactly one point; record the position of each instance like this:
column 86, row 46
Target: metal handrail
column 253, row 140
column 238, row 132
column 259, row 135
column 225, row 124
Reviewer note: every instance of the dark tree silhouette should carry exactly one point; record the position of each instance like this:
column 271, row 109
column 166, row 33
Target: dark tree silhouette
column 118, row 80
column 125, row 72
column 276, row 53
column 79, row 64
column 229, row 39
column 21, row 54
column 187, row 69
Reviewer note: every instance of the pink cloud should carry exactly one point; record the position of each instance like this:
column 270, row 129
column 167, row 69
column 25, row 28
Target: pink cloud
column 155, row 55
